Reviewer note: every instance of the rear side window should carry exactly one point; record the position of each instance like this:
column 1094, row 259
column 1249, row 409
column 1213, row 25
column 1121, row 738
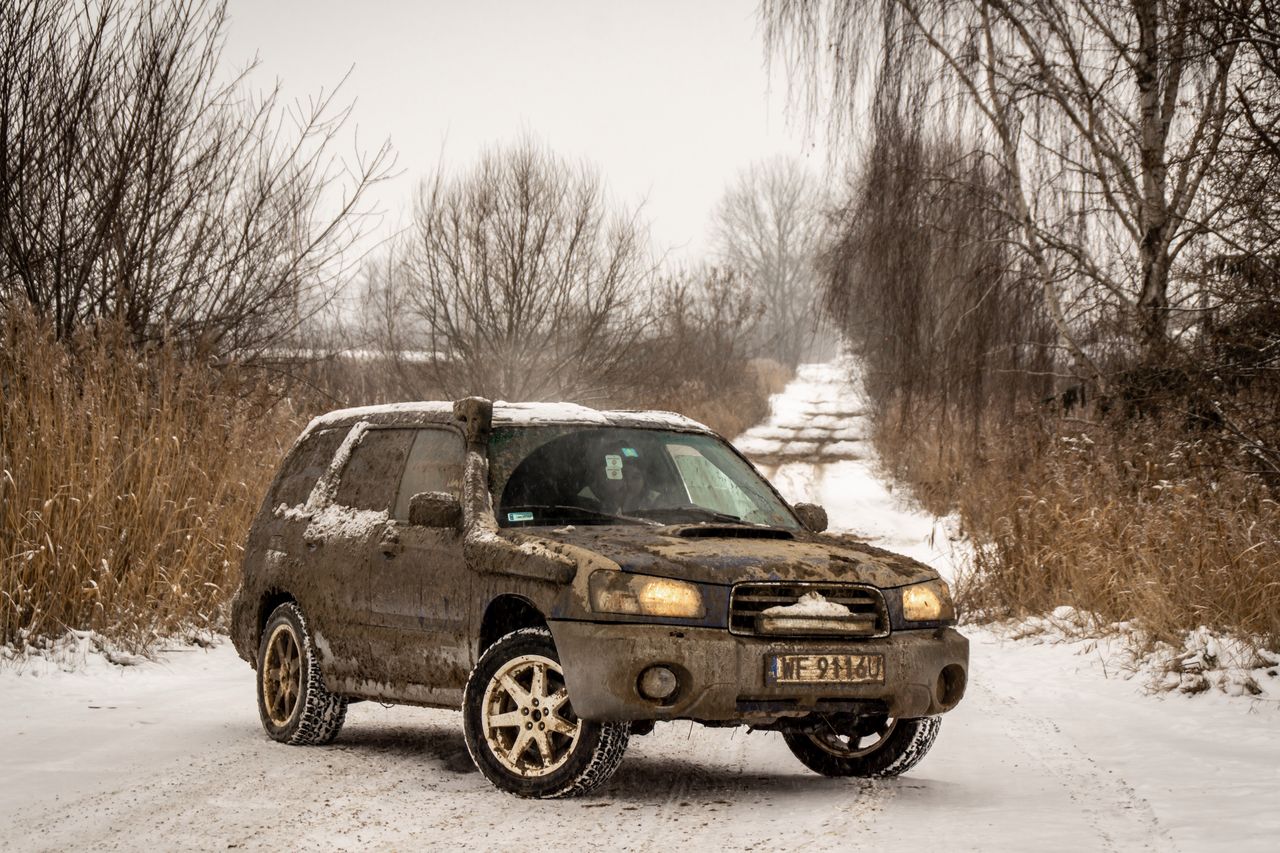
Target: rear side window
column 435, row 465
column 372, row 474
column 304, row 466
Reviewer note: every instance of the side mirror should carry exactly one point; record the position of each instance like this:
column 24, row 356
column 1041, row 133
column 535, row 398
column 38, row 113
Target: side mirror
column 435, row 509
column 812, row 516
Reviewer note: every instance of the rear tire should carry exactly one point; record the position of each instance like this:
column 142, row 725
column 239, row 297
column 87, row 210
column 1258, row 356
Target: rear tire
column 293, row 704
column 875, row 748
column 520, row 727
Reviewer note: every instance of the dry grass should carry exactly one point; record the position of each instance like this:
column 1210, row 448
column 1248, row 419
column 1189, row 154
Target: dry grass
column 128, row 485
column 1136, row 521
column 729, row 409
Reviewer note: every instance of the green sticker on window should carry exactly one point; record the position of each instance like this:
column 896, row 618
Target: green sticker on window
column 519, row 516
column 631, row 451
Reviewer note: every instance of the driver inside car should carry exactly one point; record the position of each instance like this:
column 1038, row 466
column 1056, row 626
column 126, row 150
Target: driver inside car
column 619, row 483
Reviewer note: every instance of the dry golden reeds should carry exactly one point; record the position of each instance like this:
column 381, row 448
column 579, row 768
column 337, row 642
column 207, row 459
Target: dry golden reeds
column 128, row 483
column 1136, row 521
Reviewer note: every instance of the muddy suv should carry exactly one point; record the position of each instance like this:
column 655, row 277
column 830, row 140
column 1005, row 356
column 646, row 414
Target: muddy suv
column 567, row 577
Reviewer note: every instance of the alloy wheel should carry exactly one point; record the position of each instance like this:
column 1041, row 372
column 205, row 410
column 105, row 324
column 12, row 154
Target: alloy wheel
column 526, row 718
column 282, row 675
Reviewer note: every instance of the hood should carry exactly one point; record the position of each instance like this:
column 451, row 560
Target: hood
column 728, row 554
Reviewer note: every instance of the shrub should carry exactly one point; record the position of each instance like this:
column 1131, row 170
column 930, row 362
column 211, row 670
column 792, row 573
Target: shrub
column 129, row 481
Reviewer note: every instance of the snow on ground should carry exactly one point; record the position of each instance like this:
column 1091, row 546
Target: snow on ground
column 1050, row 751
column 841, row 473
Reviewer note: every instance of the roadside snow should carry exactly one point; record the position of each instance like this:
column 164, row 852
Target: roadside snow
column 1204, row 661
column 842, row 473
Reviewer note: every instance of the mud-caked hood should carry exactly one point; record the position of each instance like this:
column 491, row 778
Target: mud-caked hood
column 730, row 554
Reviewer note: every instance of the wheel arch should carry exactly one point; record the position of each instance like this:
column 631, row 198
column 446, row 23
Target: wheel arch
column 506, row 613
column 267, row 603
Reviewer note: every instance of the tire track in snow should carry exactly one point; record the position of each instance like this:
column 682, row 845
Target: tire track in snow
column 1121, row 819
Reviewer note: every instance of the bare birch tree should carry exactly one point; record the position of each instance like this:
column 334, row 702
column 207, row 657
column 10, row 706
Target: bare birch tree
column 1105, row 117
column 1135, row 168
column 769, row 228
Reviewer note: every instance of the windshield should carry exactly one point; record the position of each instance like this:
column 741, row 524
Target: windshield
column 607, row 475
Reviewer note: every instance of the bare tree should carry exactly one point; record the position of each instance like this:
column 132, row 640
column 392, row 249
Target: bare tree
column 1135, row 166
column 769, row 227
column 1248, row 179
column 1105, row 117
column 703, row 320
column 519, row 280
column 921, row 279
column 137, row 186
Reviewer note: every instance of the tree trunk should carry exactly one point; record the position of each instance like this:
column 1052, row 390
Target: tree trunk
column 1153, row 212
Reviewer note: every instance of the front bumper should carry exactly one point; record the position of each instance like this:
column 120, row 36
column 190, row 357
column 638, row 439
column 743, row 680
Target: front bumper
column 722, row 676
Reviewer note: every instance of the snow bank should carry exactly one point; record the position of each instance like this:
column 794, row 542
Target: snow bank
column 88, row 651
column 1201, row 662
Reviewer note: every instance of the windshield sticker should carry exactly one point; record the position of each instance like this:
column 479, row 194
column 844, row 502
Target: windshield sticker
column 519, row 516
column 631, row 452
column 613, row 466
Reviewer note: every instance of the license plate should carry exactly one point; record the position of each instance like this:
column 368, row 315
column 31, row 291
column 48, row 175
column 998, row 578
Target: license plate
column 824, row 669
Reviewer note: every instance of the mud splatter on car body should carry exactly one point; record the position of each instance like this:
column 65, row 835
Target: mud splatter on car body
column 402, row 605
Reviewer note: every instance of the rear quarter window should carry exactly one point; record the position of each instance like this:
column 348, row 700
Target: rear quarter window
column 304, row 465
column 372, row 476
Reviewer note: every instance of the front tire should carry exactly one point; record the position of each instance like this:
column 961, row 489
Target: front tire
column 520, row 727
column 293, row 704
column 873, row 747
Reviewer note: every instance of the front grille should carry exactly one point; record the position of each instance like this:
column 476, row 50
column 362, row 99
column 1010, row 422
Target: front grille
column 748, row 600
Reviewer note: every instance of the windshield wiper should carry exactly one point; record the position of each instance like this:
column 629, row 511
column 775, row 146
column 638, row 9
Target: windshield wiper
column 583, row 511
column 710, row 513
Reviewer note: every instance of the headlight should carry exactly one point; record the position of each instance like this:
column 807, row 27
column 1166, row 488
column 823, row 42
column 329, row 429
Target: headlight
column 618, row 592
column 928, row 602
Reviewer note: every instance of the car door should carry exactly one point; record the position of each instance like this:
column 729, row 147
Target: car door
column 419, row 583
column 346, row 538
column 300, row 559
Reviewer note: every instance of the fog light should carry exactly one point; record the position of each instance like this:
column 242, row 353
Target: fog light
column 951, row 684
column 658, row 683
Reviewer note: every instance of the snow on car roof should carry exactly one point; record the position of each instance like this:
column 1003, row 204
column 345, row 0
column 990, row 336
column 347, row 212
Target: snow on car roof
column 524, row 414
column 508, row 414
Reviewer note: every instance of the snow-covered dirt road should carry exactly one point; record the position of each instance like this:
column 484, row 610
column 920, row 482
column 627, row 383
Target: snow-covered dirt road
column 1049, row 751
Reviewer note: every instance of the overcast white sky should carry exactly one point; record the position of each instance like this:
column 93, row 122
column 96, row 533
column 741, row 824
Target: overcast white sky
column 670, row 99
